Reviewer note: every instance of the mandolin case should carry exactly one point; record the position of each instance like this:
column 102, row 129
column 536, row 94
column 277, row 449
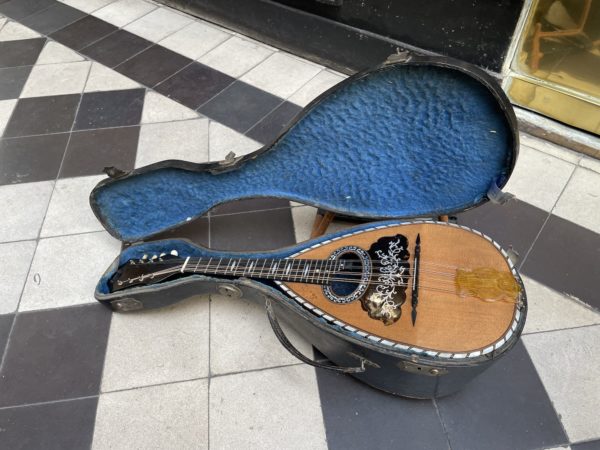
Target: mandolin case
column 416, row 137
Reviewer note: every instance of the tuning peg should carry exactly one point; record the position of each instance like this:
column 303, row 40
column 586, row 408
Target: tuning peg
column 145, row 257
column 154, row 258
column 162, row 254
column 174, row 253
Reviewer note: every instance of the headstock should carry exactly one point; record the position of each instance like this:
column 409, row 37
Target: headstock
column 146, row 271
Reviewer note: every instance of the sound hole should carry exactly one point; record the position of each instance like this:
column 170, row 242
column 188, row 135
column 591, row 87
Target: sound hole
column 347, row 277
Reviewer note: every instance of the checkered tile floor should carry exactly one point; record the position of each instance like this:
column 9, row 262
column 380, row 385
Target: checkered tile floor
column 86, row 84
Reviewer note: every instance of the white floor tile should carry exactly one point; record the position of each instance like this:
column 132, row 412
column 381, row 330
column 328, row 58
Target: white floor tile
column 157, row 346
column 568, row 363
column 102, row 78
column 250, row 344
column 56, row 79
column 122, row 12
column 13, row 31
column 172, row 416
column 304, row 217
column 319, row 84
column 158, row 24
column 186, row 140
column 69, row 211
column 54, row 53
column 223, row 140
column 551, row 310
column 195, row 40
column 236, row 56
column 20, row 223
column 158, row 108
column 268, row 409
column 580, row 201
column 3, row 21
column 539, row 178
column 590, row 163
column 87, row 6
column 549, row 148
column 65, row 270
column 14, row 265
column 6, row 109
column 281, row 74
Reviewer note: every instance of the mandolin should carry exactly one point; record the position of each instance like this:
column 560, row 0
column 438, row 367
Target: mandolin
column 428, row 285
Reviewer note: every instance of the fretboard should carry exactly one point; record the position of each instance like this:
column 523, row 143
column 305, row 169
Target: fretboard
column 313, row 271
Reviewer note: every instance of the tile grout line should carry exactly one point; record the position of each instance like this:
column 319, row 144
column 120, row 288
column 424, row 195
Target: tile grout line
column 535, row 239
column 556, row 330
column 442, row 423
column 49, row 402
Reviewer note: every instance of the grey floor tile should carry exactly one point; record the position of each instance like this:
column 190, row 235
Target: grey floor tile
column 514, row 224
column 240, row 106
column 505, row 407
column 567, row 361
column 590, row 445
column 116, row 48
column 55, row 354
column 271, row 126
column 83, row 32
column 6, row 321
column 565, row 257
column 195, row 230
column 53, row 18
column 153, row 65
column 20, row 53
column 19, row 9
column 42, row 115
column 52, row 426
column 580, row 201
column 110, row 109
column 194, row 85
column 261, row 230
column 358, row 416
column 24, row 223
column 89, row 152
column 270, row 409
column 12, row 80
column 14, row 266
column 171, row 416
column 29, row 159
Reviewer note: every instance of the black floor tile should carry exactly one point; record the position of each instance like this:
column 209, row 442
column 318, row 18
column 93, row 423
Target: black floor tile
column 263, row 230
column 195, row 230
column 12, row 80
column 110, row 109
column 24, row 52
column 505, row 407
column 60, row 425
column 359, row 417
column 55, row 354
column 240, row 106
column 514, row 224
column 19, row 9
column 6, row 321
column 116, row 48
column 271, row 126
column 89, row 152
column 34, row 158
column 194, row 85
column 590, row 445
column 54, row 18
column 83, row 32
column 250, row 204
column 153, row 65
column 40, row 115
column 565, row 257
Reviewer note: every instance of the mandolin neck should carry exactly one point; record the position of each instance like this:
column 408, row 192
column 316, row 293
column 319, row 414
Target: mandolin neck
column 313, row 271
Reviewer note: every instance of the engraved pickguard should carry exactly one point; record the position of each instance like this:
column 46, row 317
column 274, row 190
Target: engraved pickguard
column 387, row 292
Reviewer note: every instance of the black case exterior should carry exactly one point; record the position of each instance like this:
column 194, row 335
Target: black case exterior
column 388, row 369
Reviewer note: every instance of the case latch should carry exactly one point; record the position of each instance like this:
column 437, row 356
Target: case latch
column 422, row 370
column 227, row 164
column 126, row 304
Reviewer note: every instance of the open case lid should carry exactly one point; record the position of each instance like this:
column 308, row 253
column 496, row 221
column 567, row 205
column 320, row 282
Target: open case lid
column 422, row 137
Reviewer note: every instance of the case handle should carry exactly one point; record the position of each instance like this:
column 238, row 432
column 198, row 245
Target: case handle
column 294, row 351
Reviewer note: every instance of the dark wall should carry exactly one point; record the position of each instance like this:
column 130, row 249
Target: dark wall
column 478, row 31
column 362, row 33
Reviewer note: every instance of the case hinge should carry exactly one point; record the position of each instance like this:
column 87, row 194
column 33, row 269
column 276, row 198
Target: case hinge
column 229, row 163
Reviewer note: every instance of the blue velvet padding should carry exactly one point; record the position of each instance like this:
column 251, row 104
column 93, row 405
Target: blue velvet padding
column 403, row 142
